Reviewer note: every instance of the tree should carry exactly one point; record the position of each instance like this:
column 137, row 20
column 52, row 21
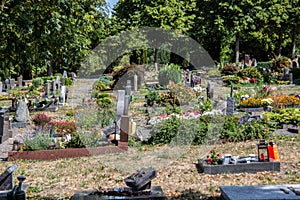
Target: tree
column 41, row 36
column 167, row 14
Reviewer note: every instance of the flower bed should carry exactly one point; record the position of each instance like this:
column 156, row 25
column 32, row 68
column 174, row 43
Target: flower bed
column 64, row 153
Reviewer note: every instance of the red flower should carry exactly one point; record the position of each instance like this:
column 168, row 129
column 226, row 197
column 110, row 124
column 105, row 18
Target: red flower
column 252, row 80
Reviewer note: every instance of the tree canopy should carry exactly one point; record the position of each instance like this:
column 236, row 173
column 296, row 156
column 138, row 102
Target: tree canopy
column 41, row 37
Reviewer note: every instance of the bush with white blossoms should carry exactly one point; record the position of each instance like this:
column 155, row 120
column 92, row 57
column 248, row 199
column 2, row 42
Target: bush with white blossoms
column 193, row 114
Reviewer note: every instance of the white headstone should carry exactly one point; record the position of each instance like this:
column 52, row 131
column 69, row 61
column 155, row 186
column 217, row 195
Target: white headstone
column 135, row 82
column 62, row 95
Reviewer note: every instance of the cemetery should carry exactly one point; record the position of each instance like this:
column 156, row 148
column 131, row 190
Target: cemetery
column 123, row 99
column 42, row 122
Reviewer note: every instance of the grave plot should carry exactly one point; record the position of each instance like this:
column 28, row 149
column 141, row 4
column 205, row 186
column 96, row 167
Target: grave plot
column 267, row 159
column 139, row 187
column 70, row 139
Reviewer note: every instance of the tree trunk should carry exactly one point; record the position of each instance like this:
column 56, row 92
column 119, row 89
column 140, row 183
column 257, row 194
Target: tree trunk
column 237, row 48
column 294, row 37
column 50, row 69
column 156, row 59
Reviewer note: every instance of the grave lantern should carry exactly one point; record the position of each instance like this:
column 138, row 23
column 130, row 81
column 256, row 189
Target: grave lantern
column 263, row 154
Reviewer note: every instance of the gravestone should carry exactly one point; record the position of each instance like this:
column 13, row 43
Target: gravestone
column 126, row 104
column 128, row 88
column 6, row 178
column 1, row 86
column 47, row 86
column 20, row 81
column 65, row 74
column 135, row 82
column 261, row 192
column 22, row 112
column 62, row 81
column 291, row 78
column 247, row 60
column 4, row 125
column 12, row 83
column 210, row 90
column 62, row 95
column 73, row 76
column 230, row 106
column 57, row 82
column 120, row 107
column 53, row 86
column 8, row 87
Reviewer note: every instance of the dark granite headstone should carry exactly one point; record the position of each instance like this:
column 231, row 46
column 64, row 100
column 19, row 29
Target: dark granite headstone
column 22, row 112
column 230, row 106
column 260, row 192
column 6, row 179
column 210, row 90
column 4, row 125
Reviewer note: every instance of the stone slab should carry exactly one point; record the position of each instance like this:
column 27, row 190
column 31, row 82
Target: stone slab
column 156, row 193
column 19, row 124
column 262, row 192
column 252, row 167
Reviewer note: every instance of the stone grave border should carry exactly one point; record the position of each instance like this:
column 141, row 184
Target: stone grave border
column 238, row 168
column 63, row 153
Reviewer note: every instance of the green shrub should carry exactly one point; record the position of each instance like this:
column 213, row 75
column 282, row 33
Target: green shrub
column 37, row 82
column 173, row 109
column 265, row 65
column 230, row 69
column 106, row 79
column 250, row 72
column 151, row 97
column 231, row 79
column 99, row 85
column 169, row 73
column 81, row 140
column 280, row 63
column 68, row 81
column 39, row 142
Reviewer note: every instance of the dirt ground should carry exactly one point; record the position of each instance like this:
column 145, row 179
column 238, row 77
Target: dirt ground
column 176, row 171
